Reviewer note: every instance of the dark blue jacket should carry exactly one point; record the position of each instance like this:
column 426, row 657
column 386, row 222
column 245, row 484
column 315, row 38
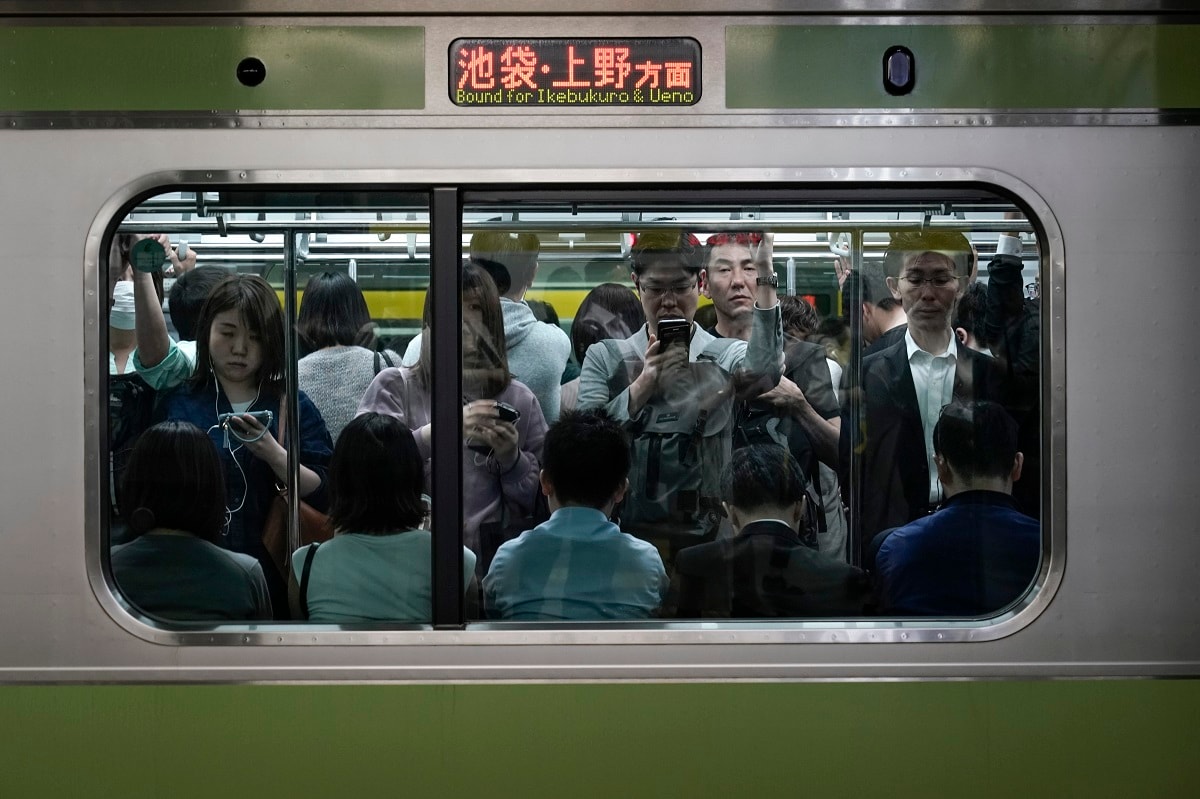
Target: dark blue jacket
column 257, row 487
column 972, row 557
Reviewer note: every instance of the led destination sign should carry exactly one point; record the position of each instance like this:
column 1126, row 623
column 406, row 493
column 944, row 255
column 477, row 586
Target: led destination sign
column 574, row 72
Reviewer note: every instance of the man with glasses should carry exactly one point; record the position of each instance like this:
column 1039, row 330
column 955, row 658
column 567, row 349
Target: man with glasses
column 905, row 386
column 671, row 386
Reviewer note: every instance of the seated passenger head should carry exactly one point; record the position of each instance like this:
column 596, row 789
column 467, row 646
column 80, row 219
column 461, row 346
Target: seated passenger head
column 666, row 271
column 173, row 481
column 608, row 311
column 375, row 477
column 927, row 272
column 763, row 481
column 187, row 297
column 333, row 313
column 239, row 338
column 511, row 258
column 975, row 447
column 585, row 461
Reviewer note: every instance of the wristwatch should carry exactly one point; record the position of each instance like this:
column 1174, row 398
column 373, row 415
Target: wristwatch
column 772, row 281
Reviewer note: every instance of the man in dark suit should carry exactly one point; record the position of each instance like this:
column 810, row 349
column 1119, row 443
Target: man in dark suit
column 771, row 567
column 905, row 386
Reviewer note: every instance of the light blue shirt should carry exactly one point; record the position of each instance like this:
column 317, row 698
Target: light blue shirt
column 576, row 566
column 356, row 577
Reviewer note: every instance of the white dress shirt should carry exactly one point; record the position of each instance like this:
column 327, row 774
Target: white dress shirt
column 933, row 378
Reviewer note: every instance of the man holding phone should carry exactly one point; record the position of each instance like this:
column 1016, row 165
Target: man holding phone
column 671, row 386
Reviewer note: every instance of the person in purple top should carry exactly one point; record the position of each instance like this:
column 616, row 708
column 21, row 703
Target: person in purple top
column 976, row 554
column 502, row 459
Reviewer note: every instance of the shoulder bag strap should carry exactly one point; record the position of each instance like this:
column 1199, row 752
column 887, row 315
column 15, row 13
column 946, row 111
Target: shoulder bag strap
column 379, row 354
column 304, row 573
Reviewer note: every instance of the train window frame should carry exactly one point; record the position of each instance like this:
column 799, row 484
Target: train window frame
column 448, row 192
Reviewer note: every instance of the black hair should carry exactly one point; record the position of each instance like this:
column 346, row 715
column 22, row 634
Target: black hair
column 586, row 458
column 543, row 312
column 255, row 300
column 188, row 294
column 608, row 311
column 798, row 315
column 174, row 481
column 497, row 271
column 656, row 246
column 969, row 311
column 375, row 477
column 874, row 283
column 762, row 475
column 333, row 312
column 977, row 439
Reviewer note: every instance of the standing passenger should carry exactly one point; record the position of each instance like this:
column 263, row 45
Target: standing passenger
column 537, row 352
column 905, row 386
column 239, row 350
column 611, row 310
column 675, row 399
column 500, row 469
column 337, row 338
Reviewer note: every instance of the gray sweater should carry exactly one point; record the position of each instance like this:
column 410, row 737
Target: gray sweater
column 336, row 378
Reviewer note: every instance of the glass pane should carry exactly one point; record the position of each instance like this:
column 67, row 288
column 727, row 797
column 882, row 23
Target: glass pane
column 754, row 490
column 199, row 428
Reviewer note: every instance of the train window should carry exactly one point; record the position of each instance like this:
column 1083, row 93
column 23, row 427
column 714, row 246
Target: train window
column 791, row 405
column 217, row 382
column 869, row 447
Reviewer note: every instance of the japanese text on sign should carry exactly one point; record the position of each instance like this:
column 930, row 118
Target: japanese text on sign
column 574, row 72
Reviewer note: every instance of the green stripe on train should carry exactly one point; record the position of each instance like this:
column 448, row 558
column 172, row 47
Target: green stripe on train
column 1017, row 67
column 1092, row 738
column 193, row 68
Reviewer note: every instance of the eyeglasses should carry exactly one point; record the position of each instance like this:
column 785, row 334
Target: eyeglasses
column 939, row 281
column 655, row 292
column 746, row 239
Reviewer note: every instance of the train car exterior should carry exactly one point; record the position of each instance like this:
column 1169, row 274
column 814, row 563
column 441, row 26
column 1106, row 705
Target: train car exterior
column 1074, row 126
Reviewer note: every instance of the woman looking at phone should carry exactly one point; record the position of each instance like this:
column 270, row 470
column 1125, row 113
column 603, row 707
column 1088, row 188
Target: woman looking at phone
column 239, row 371
column 500, row 474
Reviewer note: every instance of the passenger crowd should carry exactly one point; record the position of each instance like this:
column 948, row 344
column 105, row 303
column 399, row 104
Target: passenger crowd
column 765, row 464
